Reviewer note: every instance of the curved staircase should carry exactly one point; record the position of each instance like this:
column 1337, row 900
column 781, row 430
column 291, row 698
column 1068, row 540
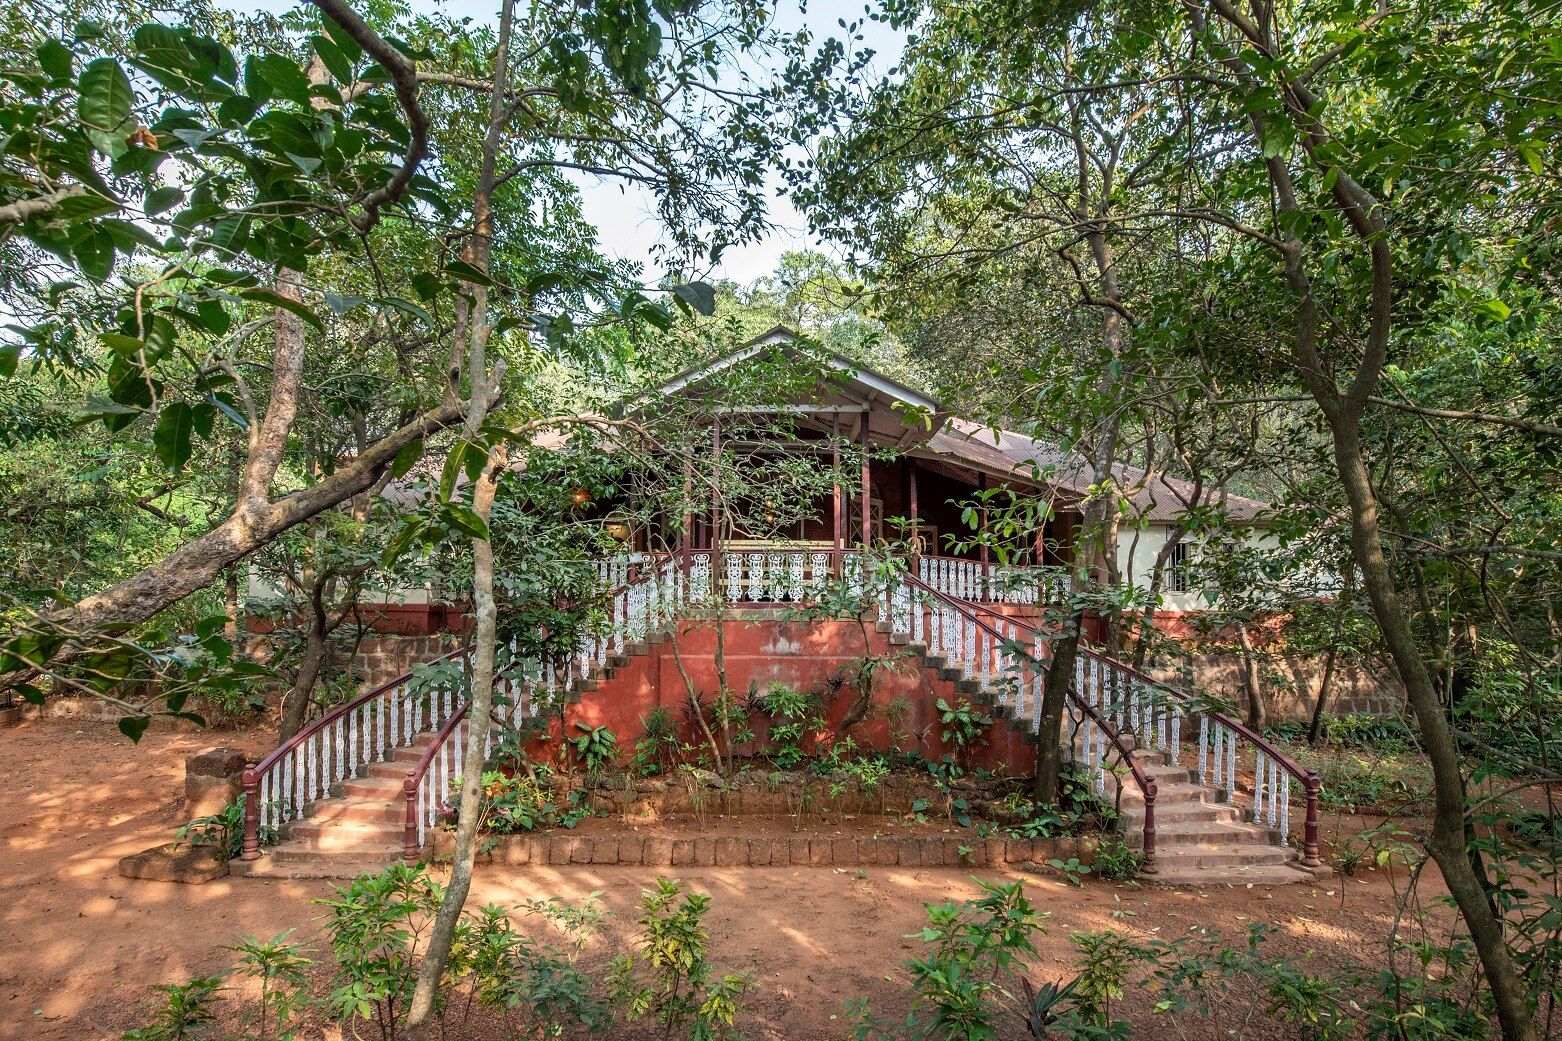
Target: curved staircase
column 360, row 787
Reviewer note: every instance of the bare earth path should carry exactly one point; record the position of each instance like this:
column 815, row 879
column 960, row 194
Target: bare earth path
column 80, row 946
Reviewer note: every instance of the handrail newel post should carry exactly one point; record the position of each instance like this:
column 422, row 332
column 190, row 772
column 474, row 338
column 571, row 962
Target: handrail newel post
column 251, row 813
column 1149, row 867
column 409, row 835
column 1310, row 829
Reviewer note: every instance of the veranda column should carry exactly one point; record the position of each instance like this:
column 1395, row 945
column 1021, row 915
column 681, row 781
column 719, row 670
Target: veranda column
column 835, row 507
column 916, row 516
column 867, row 523
column 715, row 500
column 981, row 486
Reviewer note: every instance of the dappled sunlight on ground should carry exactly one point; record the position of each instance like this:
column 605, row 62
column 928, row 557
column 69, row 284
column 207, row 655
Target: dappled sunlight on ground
column 82, row 944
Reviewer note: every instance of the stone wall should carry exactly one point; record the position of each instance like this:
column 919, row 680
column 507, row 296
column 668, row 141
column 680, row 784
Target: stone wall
column 1290, row 684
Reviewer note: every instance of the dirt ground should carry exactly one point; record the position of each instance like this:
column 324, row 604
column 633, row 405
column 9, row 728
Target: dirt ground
column 80, row 946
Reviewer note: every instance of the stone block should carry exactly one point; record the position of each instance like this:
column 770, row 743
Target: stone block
column 843, row 852
column 797, row 851
column 780, row 852
column 658, row 852
column 821, row 852
column 604, row 850
column 580, row 850
column 704, row 853
column 631, row 849
column 683, row 852
column 758, row 852
column 213, row 778
column 172, row 862
column 910, row 854
column 996, row 852
column 561, row 849
column 731, row 852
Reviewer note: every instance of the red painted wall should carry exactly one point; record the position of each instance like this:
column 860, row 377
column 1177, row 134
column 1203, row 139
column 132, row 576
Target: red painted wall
column 806, row 655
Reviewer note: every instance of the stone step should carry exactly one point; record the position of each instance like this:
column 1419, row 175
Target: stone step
column 1170, row 813
column 283, row 863
column 1215, row 854
column 384, row 788
column 1228, row 875
column 341, row 837
column 1187, row 832
column 357, row 809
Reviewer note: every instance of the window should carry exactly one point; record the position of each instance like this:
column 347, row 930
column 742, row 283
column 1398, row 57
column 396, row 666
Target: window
column 1177, row 577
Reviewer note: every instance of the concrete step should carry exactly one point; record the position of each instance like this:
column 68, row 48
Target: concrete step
column 279, row 863
column 384, row 788
column 1175, row 812
column 1186, row 832
column 341, row 838
column 357, row 809
column 1226, row 875
column 1215, row 854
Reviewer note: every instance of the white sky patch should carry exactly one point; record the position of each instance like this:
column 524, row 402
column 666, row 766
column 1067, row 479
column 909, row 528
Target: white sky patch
column 625, row 214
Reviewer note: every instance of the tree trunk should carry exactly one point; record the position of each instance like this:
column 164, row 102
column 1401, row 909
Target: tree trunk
column 1254, row 713
column 295, row 704
column 1447, row 844
column 420, row 1014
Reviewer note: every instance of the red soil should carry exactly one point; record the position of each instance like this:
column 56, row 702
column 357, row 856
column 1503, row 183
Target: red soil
column 81, row 945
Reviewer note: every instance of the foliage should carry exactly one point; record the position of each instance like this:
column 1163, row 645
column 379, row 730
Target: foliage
column 794, row 715
column 187, row 1012
column 658, row 746
column 1116, row 861
column 376, row 931
column 962, row 726
column 511, row 803
column 223, row 831
column 595, row 747
column 669, row 979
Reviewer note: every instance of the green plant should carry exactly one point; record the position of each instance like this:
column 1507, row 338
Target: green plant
column 376, row 929
column 963, row 726
column 669, row 979
column 187, row 1012
column 281, row 970
column 658, row 747
column 223, row 831
column 595, row 747
column 512, row 803
column 1116, row 861
column 793, row 715
column 968, row 983
column 1072, row 869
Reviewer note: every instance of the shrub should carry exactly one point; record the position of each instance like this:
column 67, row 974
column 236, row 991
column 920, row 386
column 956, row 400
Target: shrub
column 223, row 831
column 1117, row 862
column 513, row 803
column 669, row 979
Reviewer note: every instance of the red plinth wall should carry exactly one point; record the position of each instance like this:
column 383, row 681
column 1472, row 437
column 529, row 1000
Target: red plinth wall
column 807, row 655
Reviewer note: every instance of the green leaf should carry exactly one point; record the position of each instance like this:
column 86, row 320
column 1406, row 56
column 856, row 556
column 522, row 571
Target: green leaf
column 699, row 295
column 278, row 300
column 134, row 726
column 452, row 470
column 10, row 354
column 162, row 199
column 465, row 520
column 405, row 459
column 1494, row 309
column 55, row 59
column 467, row 273
column 398, row 545
column 171, row 435
column 284, row 76
column 105, row 103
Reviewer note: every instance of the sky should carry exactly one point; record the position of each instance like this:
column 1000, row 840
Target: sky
column 625, row 216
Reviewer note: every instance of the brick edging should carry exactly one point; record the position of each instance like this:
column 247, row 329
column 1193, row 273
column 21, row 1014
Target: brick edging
column 561, row 848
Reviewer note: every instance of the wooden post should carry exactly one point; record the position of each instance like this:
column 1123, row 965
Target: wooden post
column 916, row 516
column 715, row 504
column 687, row 541
column 867, row 522
column 981, row 486
column 835, row 506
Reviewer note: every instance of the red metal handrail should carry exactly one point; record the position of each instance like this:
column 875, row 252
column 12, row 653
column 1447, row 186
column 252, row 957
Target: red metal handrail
column 1311, row 783
column 419, row 772
column 253, row 772
column 1147, row 786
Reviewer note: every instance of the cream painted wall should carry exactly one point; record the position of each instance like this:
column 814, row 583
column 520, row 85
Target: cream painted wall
column 1137, row 548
